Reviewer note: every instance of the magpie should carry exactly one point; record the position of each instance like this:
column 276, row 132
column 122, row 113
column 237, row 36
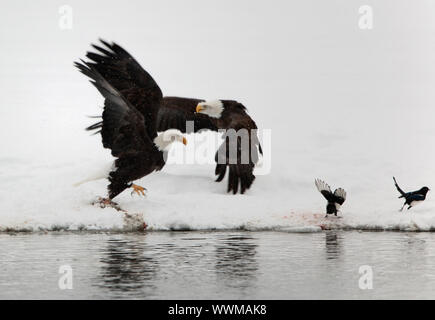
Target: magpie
column 411, row 198
column 335, row 200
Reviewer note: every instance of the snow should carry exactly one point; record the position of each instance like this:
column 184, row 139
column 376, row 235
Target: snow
column 39, row 195
column 352, row 109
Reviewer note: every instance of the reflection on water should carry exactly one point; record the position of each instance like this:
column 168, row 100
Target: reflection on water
column 236, row 263
column 218, row 265
column 125, row 267
column 332, row 244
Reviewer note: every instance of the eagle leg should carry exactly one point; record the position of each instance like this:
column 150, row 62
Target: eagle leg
column 140, row 191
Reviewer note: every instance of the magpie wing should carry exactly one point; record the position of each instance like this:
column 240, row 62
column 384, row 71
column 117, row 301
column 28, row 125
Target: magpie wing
column 325, row 189
column 415, row 197
column 340, row 196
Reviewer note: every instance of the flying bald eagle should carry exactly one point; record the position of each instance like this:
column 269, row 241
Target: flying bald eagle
column 216, row 115
column 128, row 127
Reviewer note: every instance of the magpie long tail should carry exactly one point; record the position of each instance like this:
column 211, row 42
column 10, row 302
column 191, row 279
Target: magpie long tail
column 398, row 188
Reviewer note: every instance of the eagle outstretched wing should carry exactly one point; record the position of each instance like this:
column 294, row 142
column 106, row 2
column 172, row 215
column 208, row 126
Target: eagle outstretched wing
column 123, row 130
column 126, row 76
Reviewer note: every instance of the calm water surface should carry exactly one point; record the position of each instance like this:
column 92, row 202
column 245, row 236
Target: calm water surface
column 218, row 265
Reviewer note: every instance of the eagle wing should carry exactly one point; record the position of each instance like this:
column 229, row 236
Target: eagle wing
column 240, row 170
column 175, row 112
column 123, row 130
column 126, row 76
column 241, row 167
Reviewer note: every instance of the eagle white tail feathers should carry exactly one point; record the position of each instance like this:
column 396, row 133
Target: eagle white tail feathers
column 98, row 175
column 89, row 179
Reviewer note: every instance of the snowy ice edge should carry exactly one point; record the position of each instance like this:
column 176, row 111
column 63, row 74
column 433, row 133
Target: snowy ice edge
column 412, row 226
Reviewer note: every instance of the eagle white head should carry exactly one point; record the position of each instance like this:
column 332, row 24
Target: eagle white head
column 166, row 138
column 212, row 108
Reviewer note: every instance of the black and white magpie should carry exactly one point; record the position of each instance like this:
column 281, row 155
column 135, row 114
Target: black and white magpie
column 411, row 198
column 335, row 200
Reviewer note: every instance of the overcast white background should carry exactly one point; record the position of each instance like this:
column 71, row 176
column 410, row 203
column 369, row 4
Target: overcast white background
column 351, row 106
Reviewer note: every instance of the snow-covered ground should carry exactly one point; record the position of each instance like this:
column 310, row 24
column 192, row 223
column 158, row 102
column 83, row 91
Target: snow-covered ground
column 348, row 106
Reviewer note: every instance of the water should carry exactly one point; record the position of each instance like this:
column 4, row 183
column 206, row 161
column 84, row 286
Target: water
column 218, row 265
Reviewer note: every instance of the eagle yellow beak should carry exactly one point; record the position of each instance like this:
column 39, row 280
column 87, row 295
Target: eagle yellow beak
column 184, row 141
column 199, row 108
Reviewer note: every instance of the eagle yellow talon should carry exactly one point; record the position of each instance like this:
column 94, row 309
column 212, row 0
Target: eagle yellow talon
column 138, row 189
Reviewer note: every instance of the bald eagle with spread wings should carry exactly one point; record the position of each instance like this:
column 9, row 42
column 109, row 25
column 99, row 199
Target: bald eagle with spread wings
column 129, row 121
column 135, row 110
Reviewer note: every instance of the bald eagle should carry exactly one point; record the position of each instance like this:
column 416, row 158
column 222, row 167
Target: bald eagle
column 115, row 68
column 216, row 115
column 129, row 120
